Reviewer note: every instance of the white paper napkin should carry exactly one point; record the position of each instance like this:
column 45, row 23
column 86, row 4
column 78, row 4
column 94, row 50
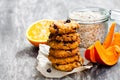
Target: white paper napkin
column 44, row 64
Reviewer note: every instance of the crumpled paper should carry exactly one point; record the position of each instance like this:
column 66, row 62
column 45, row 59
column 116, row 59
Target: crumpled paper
column 44, row 64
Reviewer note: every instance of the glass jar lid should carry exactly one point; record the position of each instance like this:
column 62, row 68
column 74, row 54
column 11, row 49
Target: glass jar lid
column 89, row 15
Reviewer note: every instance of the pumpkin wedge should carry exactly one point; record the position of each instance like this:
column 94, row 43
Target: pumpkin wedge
column 106, row 56
column 90, row 54
column 117, row 48
column 87, row 53
column 108, row 40
column 116, row 39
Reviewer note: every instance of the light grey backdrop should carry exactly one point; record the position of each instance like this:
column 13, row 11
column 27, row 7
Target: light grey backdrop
column 18, row 56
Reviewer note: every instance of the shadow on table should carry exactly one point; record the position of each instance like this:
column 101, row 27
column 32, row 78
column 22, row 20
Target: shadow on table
column 31, row 51
column 102, row 71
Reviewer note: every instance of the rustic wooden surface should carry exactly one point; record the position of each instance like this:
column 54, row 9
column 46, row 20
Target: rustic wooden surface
column 18, row 56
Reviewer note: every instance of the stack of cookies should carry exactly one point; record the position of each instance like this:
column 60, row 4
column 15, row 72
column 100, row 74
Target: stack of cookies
column 64, row 41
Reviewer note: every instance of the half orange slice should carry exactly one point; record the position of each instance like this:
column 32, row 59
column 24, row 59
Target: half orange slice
column 38, row 32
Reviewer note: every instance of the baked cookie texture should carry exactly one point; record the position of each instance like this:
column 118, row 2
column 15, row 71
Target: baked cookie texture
column 67, row 67
column 65, row 37
column 61, row 27
column 63, row 60
column 58, row 53
column 64, row 43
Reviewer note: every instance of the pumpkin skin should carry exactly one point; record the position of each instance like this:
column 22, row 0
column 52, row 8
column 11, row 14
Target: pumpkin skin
column 90, row 54
column 87, row 54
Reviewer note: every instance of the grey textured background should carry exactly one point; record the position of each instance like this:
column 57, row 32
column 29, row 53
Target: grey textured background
column 18, row 56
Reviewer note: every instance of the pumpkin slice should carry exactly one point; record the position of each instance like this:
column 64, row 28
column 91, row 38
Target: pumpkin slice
column 116, row 39
column 90, row 54
column 108, row 40
column 106, row 57
column 117, row 49
column 87, row 53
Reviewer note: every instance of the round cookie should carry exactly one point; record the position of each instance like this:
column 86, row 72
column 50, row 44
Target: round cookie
column 65, row 37
column 63, row 60
column 64, row 45
column 67, row 67
column 63, row 53
column 61, row 27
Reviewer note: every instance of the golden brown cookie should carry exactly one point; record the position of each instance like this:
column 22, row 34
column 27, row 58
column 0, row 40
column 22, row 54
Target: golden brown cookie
column 61, row 27
column 67, row 67
column 64, row 45
column 64, row 60
column 63, row 53
column 65, row 37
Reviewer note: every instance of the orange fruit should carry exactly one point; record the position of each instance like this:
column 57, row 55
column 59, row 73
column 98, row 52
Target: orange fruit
column 38, row 32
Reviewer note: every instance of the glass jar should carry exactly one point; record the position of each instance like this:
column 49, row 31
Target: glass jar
column 93, row 24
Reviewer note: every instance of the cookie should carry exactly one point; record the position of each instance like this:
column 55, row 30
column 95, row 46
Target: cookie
column 61, row 27
column 63, row 60
column 64, row 45
column 57, row 53
column 67, row 67
column 64, row 37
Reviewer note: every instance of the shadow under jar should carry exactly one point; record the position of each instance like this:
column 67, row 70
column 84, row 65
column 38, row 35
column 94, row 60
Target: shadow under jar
column 93, row 24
